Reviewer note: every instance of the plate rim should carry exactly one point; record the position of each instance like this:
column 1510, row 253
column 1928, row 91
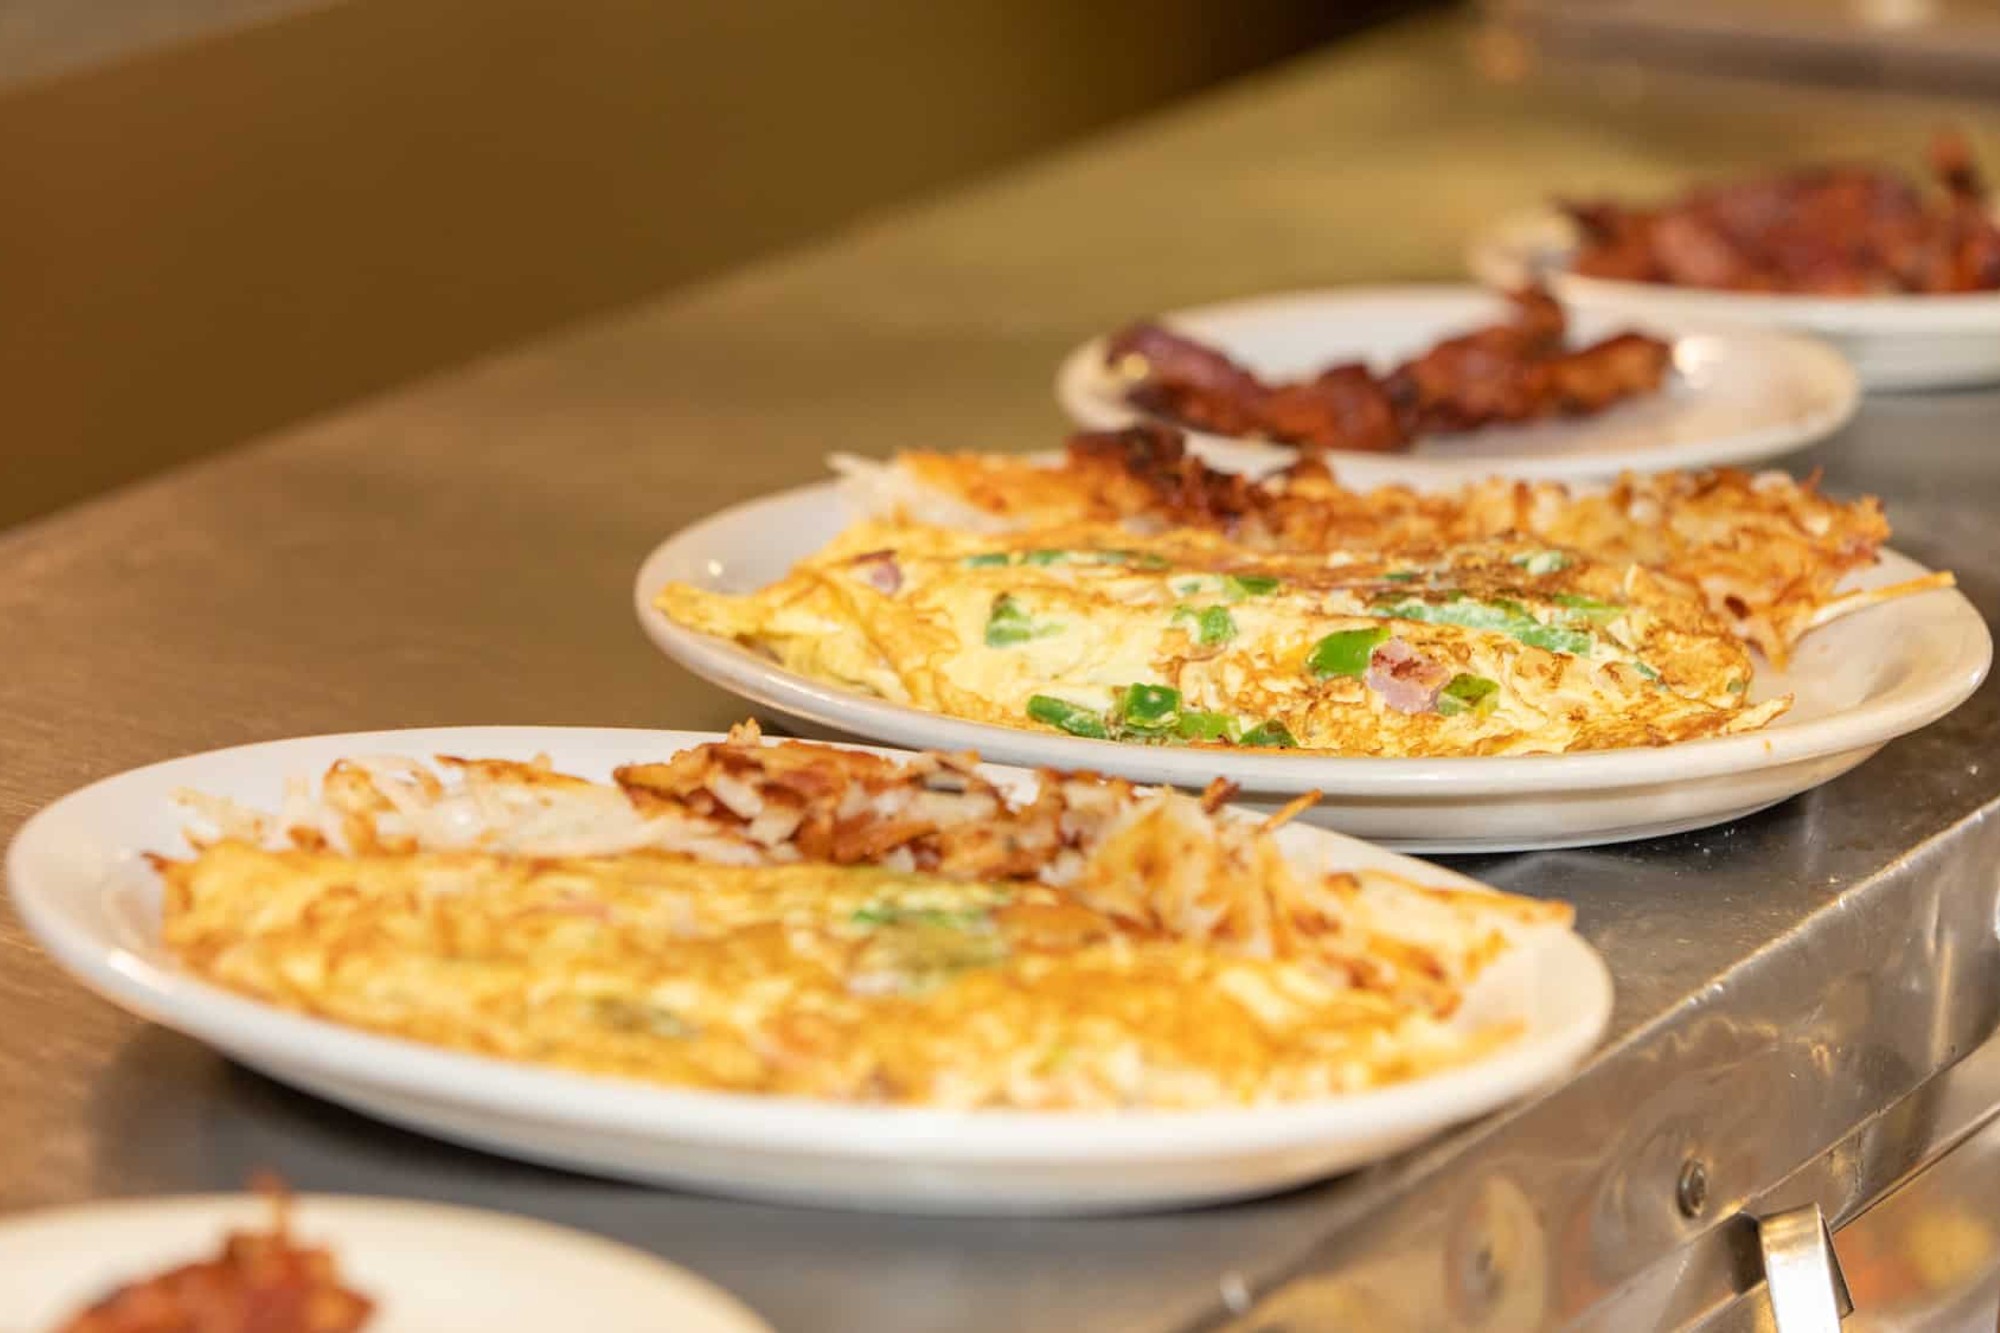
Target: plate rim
column 765, row 683
column 1080, row 392
column 1499, row 255
column 250, row 1029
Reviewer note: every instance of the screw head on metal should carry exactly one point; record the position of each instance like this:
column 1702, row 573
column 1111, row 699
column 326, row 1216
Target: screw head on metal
column 1691, row 1190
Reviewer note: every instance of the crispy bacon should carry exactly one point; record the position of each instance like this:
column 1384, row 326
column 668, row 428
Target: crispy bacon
column 1592, row 379
column 1344, row 404
column 1177, row 377
column 1513, row 371
column 262, row 1282
column 1829, row 231
column 1489, row 375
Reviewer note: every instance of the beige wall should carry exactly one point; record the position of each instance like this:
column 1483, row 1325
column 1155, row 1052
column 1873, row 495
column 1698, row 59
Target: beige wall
column 210, row 241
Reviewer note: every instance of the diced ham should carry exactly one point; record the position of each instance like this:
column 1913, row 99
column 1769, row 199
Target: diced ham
column 1407, row 680
column 879, row 570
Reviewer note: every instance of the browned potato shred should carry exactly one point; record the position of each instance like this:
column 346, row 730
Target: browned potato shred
column 1763, row 551
column 805, row 920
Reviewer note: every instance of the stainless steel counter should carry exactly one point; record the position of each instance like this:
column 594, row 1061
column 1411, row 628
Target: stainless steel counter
column 1790, row 986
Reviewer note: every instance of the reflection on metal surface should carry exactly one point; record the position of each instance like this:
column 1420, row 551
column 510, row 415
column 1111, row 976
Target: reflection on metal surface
column 1928, row 1256
column 1817, row 1085
column 1922, row 1249
column 1807, row 1292
column 1497, row 1262
column 1925, row 1257
column 1929, row 44
column 41, row 39
column 1691, row 1192
column 1897, row 13
column 1329, row 1305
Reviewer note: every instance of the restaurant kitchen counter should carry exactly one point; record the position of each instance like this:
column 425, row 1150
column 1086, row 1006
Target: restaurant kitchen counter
column 1789, row 987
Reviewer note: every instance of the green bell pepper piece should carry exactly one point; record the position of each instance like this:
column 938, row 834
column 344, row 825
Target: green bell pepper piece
column 1066, row 716
column 1270, row 735
column 1345, row 652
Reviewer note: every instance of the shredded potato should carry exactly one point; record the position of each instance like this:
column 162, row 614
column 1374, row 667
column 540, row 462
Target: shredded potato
column 1766, row 553
column 805, row 920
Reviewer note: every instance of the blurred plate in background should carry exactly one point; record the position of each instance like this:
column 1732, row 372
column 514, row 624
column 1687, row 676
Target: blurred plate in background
column 1893, row 341
column 427, row 1267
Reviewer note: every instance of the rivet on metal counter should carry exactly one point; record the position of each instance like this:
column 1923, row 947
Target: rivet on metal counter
column 1691, row 1190
column 1808, row 1292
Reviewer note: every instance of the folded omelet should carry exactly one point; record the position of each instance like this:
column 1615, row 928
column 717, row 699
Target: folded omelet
column 1766, row 554
column 1502, row 646
column 801, row 920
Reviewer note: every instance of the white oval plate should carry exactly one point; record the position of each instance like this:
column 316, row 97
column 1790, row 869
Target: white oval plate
column 1735, row 396
column 1893, row 342
column 80, row 884
column 1859, row 683
column 427, row 1267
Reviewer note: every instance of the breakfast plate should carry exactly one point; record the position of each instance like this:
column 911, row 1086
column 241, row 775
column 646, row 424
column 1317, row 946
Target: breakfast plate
column 80, row 879
column 1892, row 341
column 424, row 1266
column 1858, row 683
column 1732, row 396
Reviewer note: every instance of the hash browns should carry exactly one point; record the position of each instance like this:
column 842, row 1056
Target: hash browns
column 908, row 936
column 1764, row 552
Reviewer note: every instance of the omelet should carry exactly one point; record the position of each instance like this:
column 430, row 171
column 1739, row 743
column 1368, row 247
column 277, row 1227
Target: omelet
column 1148, row 951
column 1495, row 647
column 1764, row 552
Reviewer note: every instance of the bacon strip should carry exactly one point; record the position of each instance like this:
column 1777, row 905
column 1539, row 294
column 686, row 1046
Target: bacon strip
column 1828, row 231
column 262, row 1282
column 1510, row 372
